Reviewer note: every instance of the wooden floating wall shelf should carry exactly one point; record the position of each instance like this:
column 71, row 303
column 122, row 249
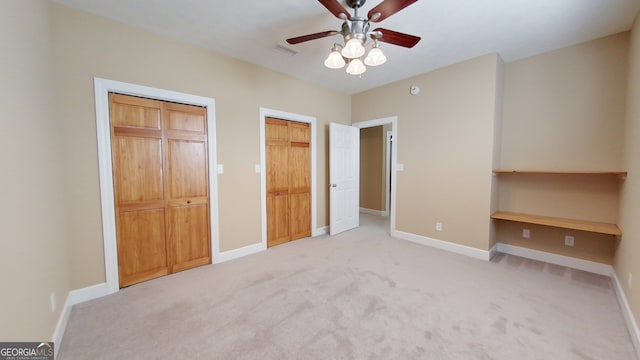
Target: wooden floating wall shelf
column 591, row 226
column 621, row 174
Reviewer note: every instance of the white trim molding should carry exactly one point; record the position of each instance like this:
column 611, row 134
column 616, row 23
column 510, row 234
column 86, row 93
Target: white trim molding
column 324, row 230
column 102, row 88
column 61, row 326
column 387, row 174
column 493, row 251
column 75, row 297
column 443, row 245
column 240, row 252
column 373, row 212
column 570, row 262
column 393, row 120
column 629, row 318
column 278, row 114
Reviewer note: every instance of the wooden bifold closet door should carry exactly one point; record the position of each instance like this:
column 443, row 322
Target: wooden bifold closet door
column 160, row 174
column 288, row 180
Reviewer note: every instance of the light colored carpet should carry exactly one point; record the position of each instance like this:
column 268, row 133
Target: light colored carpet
column 358, row 295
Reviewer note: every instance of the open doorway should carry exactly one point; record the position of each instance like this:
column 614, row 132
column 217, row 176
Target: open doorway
column 378, row 149
column 374, row 182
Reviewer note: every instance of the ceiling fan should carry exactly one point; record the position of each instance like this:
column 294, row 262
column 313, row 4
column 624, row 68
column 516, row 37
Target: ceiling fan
column 356, row 30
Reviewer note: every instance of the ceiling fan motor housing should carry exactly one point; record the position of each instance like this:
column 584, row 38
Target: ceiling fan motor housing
column 354, row 4
column 357, row 28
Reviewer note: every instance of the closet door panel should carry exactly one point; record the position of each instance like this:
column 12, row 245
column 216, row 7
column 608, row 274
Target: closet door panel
column 278, row 225
column 189, row 236
column 137, row 169
column 142, row 251
column 277, row 157
column 187, row 169
column 300, row 215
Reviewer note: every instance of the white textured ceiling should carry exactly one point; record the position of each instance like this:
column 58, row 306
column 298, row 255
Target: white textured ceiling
column 451, row 31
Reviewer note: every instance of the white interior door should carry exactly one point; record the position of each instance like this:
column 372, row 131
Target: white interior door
column 344, row 178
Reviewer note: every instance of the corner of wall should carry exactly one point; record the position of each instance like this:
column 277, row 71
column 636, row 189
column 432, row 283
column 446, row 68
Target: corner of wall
column 497, row 143
column 626, row 259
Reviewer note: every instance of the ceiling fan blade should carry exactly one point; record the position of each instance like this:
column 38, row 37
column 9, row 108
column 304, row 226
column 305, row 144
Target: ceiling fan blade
column 398, row 38
column 335, row 8
column 387, row 8
column 303, row 38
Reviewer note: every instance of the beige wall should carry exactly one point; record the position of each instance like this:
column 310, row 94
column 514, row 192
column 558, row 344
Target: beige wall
column 34, row 245
column 626, row 261
column 87, row 46
column 445, row 141
column 497, row 146
column 372, row 141
column 564, row 110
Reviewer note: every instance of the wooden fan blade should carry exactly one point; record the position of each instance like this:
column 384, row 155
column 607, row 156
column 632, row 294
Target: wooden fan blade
column 303, row 38
column 398, row 38
column 387, row 8
column 335, row 8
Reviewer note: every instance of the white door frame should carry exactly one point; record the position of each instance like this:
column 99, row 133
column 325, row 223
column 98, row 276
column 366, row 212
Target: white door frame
column 387, row 173
column 102, row 87
column 278, row 114
column 393, row 120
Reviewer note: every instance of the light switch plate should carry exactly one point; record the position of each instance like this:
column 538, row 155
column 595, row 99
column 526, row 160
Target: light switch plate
column 220, row 169
column 399, row 167
column 257, row 168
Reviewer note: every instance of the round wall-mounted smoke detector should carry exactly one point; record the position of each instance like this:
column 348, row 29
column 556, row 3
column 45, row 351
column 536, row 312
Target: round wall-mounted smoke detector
column 414, row 90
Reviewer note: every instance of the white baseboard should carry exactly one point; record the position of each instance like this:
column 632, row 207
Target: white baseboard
column 75, row 297
column 493, row 251
column 61, row 326
column 443, row 245
column 256, row 248
column 373, row 212
column 320, row 231
column 570, row 262
column 629, row 319
column 238, row 253
column 88, row 293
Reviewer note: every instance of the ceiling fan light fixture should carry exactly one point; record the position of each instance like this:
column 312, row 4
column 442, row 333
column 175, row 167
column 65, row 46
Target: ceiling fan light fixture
column 353, row 49
column 356, row 67
column 334, row 60
column 375, row 57
column 356, row 33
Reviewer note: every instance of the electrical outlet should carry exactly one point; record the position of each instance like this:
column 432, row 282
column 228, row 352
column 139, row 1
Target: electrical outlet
column 630, row 280
column 526, row 233
column 52, row 301
column 569, row 240
column 438, row 226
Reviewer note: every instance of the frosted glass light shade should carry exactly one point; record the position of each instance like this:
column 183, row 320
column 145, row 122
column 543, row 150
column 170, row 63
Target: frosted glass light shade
column 375, row 57
column 334, row 60
column 353, row 49
column 356, row 67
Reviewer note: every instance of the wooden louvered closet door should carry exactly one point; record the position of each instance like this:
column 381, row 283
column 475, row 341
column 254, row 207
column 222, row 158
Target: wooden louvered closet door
column 288, row 180
column 160, row 172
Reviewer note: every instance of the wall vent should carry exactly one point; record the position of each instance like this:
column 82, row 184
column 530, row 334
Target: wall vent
column 285, row 50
